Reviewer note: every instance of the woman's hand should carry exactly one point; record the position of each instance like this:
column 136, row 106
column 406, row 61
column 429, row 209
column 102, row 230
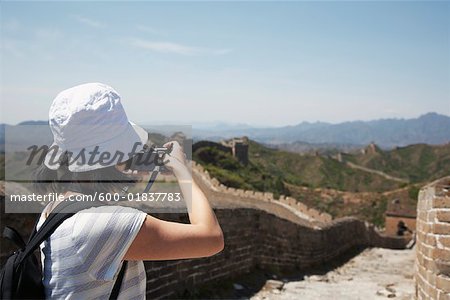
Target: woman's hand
column 175, row 161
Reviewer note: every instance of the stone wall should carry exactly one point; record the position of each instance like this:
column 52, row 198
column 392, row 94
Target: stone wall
column 260, row 232
column 432, row 276
column 258, row 239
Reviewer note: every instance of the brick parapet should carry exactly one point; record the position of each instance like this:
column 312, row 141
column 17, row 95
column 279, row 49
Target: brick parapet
column 432, row 265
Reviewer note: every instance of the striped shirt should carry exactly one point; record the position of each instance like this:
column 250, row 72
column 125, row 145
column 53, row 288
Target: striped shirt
column 82, row 258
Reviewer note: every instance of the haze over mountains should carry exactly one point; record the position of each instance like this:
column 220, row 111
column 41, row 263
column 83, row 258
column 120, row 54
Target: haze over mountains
column 431, row 128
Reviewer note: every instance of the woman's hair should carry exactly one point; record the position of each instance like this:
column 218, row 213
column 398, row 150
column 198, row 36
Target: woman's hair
column 103, row 180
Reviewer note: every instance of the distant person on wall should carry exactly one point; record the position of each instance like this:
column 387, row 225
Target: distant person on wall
column 402, row 228
column 82, row 258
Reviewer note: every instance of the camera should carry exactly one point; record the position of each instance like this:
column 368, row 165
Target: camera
column 148, row 159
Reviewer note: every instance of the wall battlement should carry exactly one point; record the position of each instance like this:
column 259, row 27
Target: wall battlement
column 432, row 273
column 309, row 214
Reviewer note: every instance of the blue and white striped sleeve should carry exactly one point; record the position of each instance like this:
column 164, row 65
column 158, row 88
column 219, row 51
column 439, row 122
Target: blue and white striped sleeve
column 103, row 245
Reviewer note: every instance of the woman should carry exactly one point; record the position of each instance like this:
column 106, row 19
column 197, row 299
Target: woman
column 82, row 258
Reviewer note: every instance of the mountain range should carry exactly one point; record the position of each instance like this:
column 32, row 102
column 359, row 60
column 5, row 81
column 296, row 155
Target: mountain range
column 430, row 128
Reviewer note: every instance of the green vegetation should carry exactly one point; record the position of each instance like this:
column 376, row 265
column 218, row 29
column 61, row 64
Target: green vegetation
column 417, row 163
column 374, row 213
column 270, row 170
column 372, row 210
column 368, row 206
column 289, row 173
column 230, row 172
column 413, row 192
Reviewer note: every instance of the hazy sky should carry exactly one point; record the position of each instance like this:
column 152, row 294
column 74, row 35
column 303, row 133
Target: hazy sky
column 261, row 63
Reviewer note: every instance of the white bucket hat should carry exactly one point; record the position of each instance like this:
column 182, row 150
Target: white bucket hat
column 90, row 118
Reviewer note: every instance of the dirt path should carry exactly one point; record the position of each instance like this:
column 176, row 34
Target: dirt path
column 387, row 176
column 374, row 274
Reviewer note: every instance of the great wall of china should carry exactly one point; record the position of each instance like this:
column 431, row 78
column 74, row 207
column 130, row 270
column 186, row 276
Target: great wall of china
column 262, row 232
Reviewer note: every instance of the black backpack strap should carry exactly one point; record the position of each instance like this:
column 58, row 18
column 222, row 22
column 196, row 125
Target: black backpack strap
column 61, row 212
column 116, row 288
